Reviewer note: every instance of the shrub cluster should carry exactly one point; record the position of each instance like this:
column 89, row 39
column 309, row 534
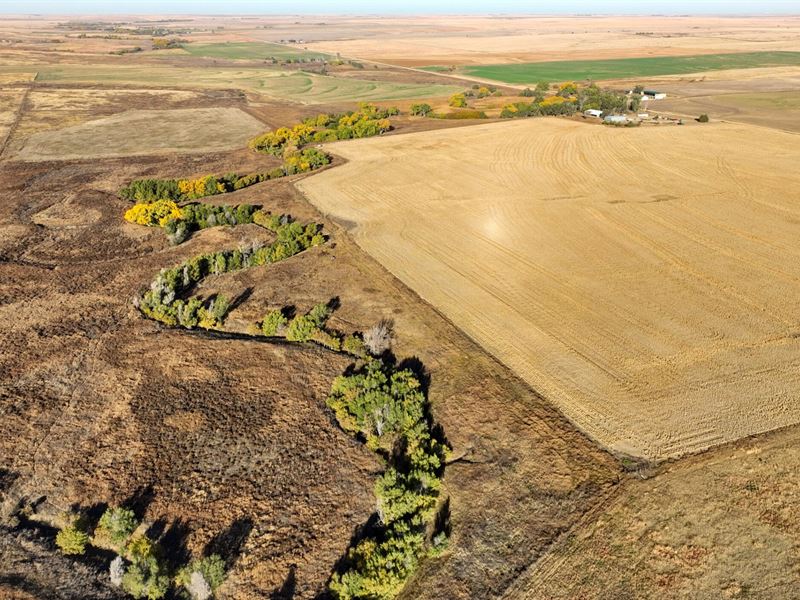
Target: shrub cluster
column 179, row 190
column 367, row 121
column 179, row 222
column 162, row 301
column 387, row 408
column 153, row 214
column 72, row 539
column 421, row 110
column 305, row 160
column 150, row 190
column 457, row 101
column 115, row 527
column 551, row 105
column 273, row 323
column 202, row 577
column 465, row 113
column 199, row 215
column 140, row 568
column 310, row 327
column 145, row 574
column 481, row 91
column 608, row 101
column 538, row 92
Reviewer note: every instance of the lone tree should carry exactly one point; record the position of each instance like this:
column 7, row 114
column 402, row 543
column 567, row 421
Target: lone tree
column 116, row 526
column 378, row 338
column 72, row 539
column 116, row 571
column 458, row 101
column 421, row 110
column 202, row 577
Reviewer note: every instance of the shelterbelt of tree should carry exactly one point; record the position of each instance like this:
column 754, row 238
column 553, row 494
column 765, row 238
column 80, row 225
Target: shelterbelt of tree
column 375, row 400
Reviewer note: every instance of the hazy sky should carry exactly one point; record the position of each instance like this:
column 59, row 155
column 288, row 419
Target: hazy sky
column 404, row 7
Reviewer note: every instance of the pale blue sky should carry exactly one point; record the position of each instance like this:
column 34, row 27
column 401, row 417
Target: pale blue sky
column 750, row 7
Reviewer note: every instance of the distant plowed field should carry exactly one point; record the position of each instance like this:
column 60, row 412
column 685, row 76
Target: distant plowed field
column 646, row 281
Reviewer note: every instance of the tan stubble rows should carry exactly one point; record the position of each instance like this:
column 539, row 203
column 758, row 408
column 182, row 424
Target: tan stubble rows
column 645, row 281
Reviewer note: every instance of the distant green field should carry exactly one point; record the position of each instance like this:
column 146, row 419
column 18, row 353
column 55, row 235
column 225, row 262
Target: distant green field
column 577, row 70
column 302, row 87
column 251, row 51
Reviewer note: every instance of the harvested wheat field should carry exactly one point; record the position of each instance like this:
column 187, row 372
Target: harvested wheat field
column 143, row 132
column 644, row 280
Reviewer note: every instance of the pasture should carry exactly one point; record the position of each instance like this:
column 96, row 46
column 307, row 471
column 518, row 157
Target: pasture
column 626, row 68
column 768, row 109
column 144, row 132
column 719, row 525
column 645, row 281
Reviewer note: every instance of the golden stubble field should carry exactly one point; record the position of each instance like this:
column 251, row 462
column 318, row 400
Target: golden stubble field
column 645, row 281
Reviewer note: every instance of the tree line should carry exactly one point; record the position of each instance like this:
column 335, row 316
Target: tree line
column 163, row 302
column 180, row 222
column 375, row 401
column 182, row 190
column 386, row 407
column 367, row 121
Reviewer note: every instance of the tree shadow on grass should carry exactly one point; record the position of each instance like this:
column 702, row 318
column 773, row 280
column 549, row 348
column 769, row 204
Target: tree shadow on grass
column 228, row 543
column 173, row 541
column 7, row 479
column 241, row 298
column 287, row 589
column 139, row 501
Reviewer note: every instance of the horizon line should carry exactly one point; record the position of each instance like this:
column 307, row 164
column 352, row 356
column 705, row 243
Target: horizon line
column 401, row 14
